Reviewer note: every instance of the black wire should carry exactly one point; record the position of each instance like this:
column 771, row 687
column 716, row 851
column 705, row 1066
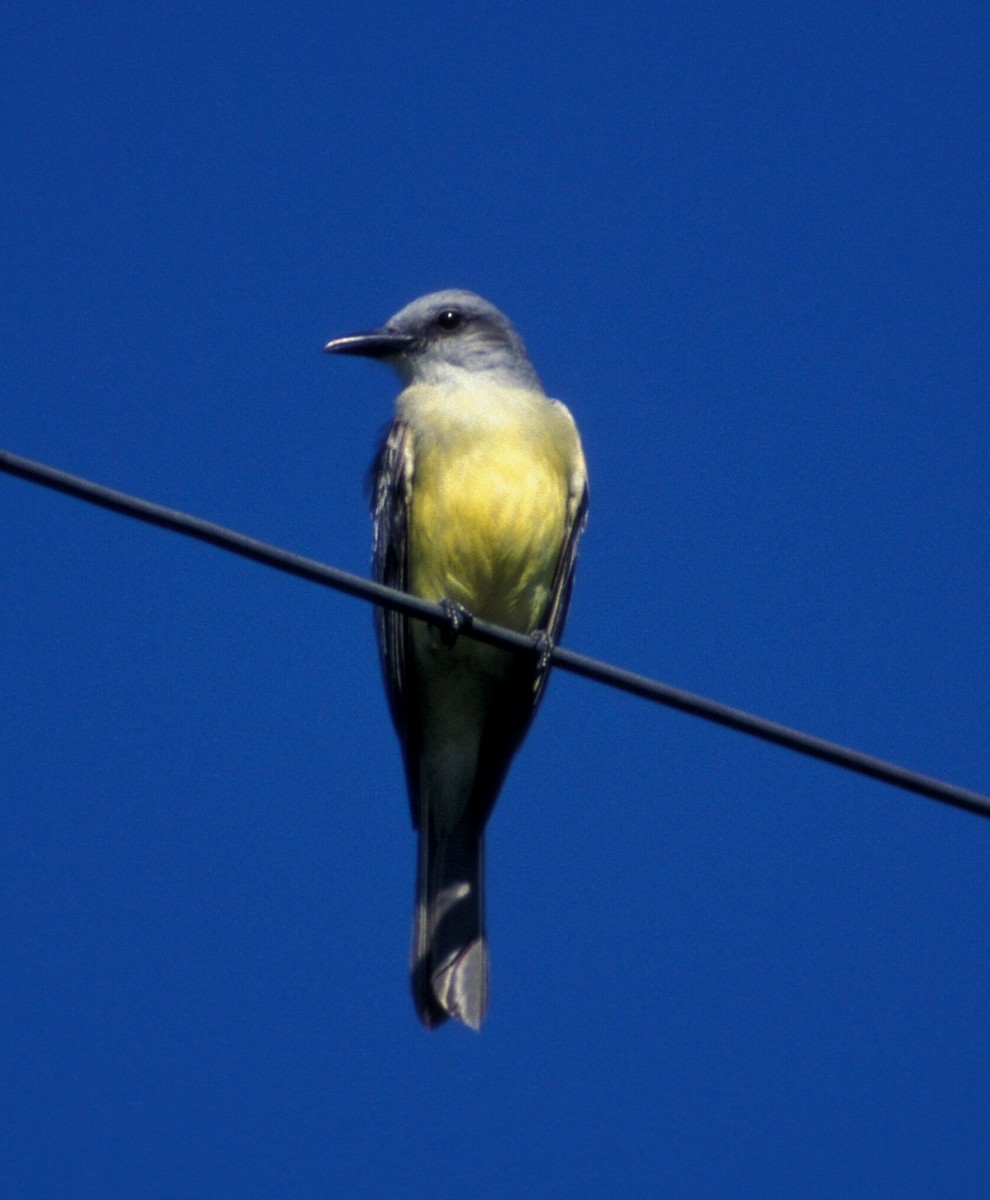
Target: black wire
column 566, row 660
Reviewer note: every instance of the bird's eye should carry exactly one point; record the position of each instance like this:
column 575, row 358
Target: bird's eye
column 449, row 319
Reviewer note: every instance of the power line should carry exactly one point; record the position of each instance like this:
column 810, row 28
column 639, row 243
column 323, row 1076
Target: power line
column 566, row 660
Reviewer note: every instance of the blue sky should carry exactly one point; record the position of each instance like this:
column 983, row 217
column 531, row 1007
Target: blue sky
column 747, row 245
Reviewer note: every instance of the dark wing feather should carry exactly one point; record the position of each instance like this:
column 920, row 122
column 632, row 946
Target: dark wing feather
column 392, row 473
column 563, row 581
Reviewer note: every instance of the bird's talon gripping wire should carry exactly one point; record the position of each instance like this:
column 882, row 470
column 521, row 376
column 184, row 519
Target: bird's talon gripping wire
column 543, row 647
column 458, row 618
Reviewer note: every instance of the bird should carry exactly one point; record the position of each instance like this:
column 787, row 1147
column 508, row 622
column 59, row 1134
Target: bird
column 479, row 496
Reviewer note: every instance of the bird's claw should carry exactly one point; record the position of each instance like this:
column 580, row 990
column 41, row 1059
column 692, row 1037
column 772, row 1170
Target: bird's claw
column 458, row 618
column 543, row 648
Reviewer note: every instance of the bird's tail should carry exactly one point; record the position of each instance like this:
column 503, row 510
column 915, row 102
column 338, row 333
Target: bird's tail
column 450, row 952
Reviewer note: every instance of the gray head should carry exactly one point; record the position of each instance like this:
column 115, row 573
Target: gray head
column 441, row 335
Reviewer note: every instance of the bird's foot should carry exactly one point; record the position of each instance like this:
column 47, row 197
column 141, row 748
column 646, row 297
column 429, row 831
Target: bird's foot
column 543, row 648
column 458, row 618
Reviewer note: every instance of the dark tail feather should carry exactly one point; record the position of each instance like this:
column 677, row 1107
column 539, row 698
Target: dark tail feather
column 450, row 953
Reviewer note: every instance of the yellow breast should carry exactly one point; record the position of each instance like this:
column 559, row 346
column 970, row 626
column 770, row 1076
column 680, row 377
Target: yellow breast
column 488, row 516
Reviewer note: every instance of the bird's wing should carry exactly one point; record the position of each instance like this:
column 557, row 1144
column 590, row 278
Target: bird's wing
column 391, row 475
column 563, row 580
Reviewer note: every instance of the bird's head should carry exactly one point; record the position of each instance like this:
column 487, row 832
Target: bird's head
column 437, row 337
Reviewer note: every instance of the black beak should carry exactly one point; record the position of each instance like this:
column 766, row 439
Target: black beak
column 379, row 343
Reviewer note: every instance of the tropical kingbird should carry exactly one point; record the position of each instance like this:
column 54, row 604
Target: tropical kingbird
column 479, row 494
